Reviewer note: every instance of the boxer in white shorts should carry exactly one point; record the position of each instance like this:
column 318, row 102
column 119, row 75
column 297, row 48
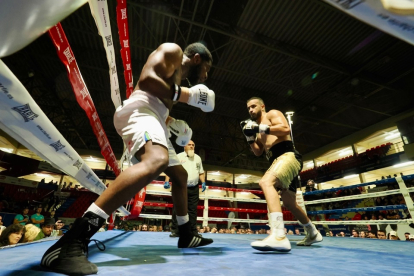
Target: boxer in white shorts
column 141, row 123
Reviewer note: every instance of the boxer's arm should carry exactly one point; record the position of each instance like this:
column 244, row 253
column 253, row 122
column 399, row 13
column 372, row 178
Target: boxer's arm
column 257, row 147
column 161, row 66
column 279, row 125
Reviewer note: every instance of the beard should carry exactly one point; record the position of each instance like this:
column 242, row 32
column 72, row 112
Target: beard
column 255, row 116
column 194, row 75
column 190, row 153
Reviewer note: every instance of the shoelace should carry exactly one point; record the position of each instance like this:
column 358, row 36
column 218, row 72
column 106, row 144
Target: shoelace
column 80, row 248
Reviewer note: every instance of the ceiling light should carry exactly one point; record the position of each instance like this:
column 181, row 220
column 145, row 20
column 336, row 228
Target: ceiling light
column 403, row 164
column 350, row 176
column 42, row 174
column 309, row 164
column 392, row 135
column 244, row 176
column 215, row 173
column 7, row 150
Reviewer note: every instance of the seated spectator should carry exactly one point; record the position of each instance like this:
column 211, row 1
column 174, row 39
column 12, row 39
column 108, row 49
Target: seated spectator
column 411, row 237
column 407, row 236
column 12, row 235
column 213, row 230
column 31, row 232
column 297, row 231
column 160, row 228
column 47, row 230
column 362, row 234
column 167, row 228
column 341, row 234
column 330, row 233
column 357, row 216
column 381, row 235
column 372, row 235
column 290, row 232
column 102, row 229
column 393, row 236
column 23, row 218
column 144, row 227
column 355, row 234
column 38, row 218
column 134, row 229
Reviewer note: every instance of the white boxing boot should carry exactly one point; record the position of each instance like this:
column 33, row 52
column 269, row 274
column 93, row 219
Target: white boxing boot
column 277, row 240
column 312, row 235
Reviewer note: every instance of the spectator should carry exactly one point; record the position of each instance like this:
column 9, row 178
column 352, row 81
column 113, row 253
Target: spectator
column 167, row 228
column 213, row 230
column 13, row 234
column 355, row 234
column 297, row 231
column 381, row 235
column 134, row 229
column 38, row 218
column 357, row 216
column 31, row 232
column 411, row 238
column 144, row 227
column 1, row 221
column 47, row 229
column 407, row 236
column 23, row 218
column 290, row 232
column 331, row 233
column 341, row 234
column 362, row 234
column 393, row 236
column 102, row 229
column 372, row 235
column 160, row 228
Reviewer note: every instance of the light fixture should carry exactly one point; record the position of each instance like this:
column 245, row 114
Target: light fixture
column 392, row 135
column 43, row 175
column 309, row 164
column 7, row 150
column 215, row 173
column 350, row 176
column 403, row 164
column 244, row 176
column 345, row 152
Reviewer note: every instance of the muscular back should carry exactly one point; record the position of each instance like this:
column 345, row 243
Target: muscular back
column 161, row 71
column 273, row 118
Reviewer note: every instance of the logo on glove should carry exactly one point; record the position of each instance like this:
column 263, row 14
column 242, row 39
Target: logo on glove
column 203, row 98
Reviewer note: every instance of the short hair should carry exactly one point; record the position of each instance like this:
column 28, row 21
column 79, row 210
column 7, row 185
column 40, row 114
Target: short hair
column 198, row 48
column 256, row 98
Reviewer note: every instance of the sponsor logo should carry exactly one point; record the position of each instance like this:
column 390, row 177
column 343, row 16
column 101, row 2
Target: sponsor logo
column 203, row 98
column 68, row 54
column 77, row 164
column 108, row 40
column 26, row 112
column 123, row 14
column 57, row 146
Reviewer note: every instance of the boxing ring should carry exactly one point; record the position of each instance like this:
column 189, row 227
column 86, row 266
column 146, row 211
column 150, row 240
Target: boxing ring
column 154, row 253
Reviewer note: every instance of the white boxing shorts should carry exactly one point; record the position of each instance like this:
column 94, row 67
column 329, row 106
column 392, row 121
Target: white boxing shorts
column 140, row 119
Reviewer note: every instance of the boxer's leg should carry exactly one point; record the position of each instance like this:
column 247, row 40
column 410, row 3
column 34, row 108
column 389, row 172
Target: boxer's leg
column 67, row 255
column 312, row 234
column 178, row 176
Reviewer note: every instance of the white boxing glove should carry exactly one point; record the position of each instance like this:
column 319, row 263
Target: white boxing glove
column 181, row 130
column 202, row 97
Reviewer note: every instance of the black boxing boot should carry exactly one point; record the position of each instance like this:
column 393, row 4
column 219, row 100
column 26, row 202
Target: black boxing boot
column 188, row 239
column 69, row 254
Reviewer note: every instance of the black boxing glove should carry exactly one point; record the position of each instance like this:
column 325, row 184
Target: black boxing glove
column 250, row 138
column 251, row 128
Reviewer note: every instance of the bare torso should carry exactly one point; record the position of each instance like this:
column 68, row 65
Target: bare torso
column 269, row 140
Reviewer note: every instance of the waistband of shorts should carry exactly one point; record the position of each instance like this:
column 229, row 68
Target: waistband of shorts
column 280, row 148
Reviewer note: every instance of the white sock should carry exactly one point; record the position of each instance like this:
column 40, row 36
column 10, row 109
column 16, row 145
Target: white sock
column 311, row 226
column 182, row 219
column 279, row 230
column 98, row 211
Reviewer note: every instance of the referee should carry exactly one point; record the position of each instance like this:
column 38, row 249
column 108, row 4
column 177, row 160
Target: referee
column 194, row 167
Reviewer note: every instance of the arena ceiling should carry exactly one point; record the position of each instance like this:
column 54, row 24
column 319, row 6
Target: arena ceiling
column 336, row 73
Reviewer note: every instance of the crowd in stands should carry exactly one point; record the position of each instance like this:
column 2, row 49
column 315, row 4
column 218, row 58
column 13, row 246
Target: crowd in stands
column 25, row 228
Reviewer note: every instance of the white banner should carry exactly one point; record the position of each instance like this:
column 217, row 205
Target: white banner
column 99, row 11
column 22, row 119
column 23, row 21
column 373, row 13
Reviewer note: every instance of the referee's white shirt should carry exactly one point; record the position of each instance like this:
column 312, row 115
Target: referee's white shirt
column 193, row 166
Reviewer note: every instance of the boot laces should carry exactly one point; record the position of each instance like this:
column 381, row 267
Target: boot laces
column 79, row 247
